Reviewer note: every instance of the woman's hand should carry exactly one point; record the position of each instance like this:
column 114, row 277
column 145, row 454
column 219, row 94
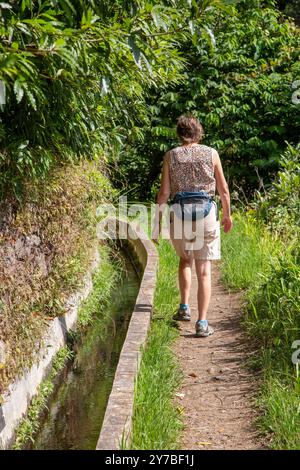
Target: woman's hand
column 227, row 223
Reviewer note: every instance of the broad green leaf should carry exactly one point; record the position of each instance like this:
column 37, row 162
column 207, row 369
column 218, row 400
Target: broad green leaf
column 19, row 91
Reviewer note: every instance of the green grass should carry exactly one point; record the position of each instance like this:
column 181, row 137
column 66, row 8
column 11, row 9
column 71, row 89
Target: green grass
column 156, row 421
column 246, row 251
column 280, row 403
column 104, row 278
column 268, row 268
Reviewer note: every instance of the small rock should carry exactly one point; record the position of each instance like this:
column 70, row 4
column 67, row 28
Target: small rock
column 192, row 374
column 219, row 377
column 33, row 240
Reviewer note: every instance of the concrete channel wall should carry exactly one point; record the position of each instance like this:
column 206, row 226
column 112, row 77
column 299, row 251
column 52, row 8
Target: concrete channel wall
column 20, row 393
column 117, row 424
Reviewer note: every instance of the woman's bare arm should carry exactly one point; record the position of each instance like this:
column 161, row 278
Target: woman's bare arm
column 162, row 197
column 164, row 191
column 223, row 191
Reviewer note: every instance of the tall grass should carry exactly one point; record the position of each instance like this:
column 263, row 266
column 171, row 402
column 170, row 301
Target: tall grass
column 105, row 278
column 156, row 422
column 279, row 401
column 246, row 251
column 255, row 259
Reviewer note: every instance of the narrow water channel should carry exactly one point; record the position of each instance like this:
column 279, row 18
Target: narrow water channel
column 77, row 408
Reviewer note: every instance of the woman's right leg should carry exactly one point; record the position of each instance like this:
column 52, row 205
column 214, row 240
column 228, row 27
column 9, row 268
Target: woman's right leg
column 185, row 279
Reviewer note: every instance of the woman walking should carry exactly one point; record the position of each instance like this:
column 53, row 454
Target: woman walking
column 193, row 172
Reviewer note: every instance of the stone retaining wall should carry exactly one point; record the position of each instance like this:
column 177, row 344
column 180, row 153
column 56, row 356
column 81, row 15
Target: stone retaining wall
column 119, row 410
column 20, row 393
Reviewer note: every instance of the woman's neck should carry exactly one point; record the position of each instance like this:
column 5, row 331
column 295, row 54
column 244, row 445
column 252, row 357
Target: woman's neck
column 193, row 144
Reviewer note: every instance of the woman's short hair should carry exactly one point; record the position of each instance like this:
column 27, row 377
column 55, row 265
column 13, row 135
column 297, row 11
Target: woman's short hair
column 189, row 129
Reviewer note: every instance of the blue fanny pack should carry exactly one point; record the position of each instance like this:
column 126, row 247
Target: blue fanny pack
column 190, row 205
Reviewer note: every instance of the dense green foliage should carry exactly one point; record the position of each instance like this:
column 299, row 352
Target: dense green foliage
column 84, row 78
column 75, row 75
column 275, row 300
column 240, row 88
column 279, row 206
column 271, row 274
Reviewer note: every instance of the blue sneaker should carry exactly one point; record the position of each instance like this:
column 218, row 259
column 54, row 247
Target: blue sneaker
column 182, row 314
column 203, row 329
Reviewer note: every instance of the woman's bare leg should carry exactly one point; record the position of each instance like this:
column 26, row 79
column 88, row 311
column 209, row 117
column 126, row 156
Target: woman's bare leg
column 185, row 279
column 203, row 270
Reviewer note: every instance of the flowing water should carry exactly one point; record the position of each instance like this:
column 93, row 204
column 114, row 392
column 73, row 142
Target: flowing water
column 77, row 408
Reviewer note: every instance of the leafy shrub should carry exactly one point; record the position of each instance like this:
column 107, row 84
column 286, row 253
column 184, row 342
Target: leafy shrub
column 75, row 75
column 238, row 82
column 274, row 306
column 279, row 205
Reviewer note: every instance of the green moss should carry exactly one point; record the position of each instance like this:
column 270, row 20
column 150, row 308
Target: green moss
column 104, row 278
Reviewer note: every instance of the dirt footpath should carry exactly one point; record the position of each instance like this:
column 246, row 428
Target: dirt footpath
column 217, row 392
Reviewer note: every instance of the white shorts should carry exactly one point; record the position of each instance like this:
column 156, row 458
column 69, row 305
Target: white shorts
column 198, row 239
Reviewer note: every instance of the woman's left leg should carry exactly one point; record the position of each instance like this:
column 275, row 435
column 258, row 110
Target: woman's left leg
column 203, row 270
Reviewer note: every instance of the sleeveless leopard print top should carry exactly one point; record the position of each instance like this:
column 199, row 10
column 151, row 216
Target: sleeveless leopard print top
column 192, row 169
